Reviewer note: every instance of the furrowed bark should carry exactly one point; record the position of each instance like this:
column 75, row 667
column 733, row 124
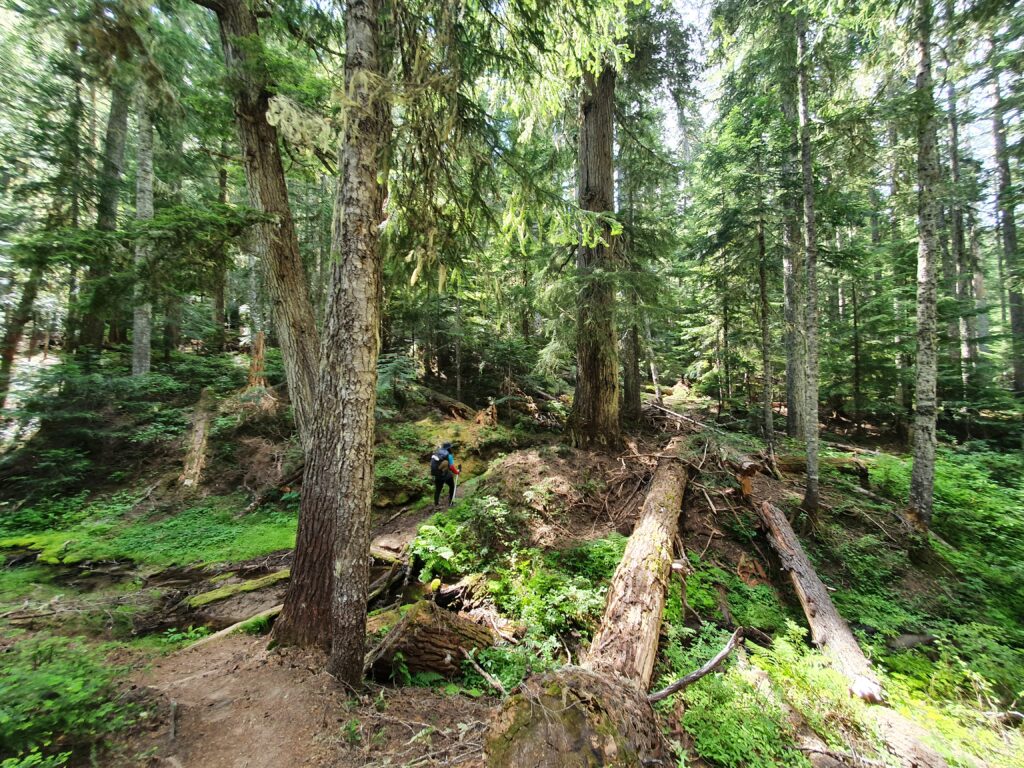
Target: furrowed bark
column 598, row 713
column 923, row 473
column 285, row 274
column 594, row 419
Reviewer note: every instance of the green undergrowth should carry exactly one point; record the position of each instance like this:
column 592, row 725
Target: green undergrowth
column 751, row 605
column 557, row 596
column 73, row 530
column 59, row 701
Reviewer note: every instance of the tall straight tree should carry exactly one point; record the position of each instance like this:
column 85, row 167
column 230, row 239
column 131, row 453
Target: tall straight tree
column 142, row 320
column 268, row 193
column 1008, row 222
column 94, row 322
column 793, row 264
column 923, row 474
column 810, row 502
column 594, row 420
column 326, row 600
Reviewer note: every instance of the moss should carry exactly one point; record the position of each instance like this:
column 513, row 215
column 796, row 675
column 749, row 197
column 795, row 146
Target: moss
column 228, row 590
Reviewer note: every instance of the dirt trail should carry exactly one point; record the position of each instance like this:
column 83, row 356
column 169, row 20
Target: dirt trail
column 234, row 704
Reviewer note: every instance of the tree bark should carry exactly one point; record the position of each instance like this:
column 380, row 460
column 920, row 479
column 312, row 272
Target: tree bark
column 598, row 713
column 594, row 419
column 94, row 322
column 1008, row 222
column 327, row 596
column 767, row 421
column 793, row 263
column 631, row 377
column 828, row 629
column 652, row 362
column 810, row 501
column 142, row 315
column 221, row 269
column 923, row 473
column 292, row 309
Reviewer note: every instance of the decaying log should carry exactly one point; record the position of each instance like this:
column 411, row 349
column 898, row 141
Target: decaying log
column 448, row 404
column 195, row 455
column 846, row 465
column 598, row 713
column 268, row 613
column 828, row 629
column 429, row 639
column 903, row 738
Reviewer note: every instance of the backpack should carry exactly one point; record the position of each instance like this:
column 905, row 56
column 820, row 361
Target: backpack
column 439, row 463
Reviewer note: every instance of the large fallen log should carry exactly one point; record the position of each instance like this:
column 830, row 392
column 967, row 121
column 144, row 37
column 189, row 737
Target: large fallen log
column 429, row 639
column 598, row 713
column 903, row 738
column 828, row 629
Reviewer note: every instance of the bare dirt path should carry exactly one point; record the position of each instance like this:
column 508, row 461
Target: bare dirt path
column 234, row 704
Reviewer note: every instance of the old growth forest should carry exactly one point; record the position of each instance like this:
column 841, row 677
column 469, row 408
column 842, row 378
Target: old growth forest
column 717, row 307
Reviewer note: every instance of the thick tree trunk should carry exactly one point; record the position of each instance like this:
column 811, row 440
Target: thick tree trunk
column 16, row 328
column 1008, row 221
column 594, row 420
column 257, row 362
column 923, row 473
column 142, row 315
column 598, row 714
column 94, row 321
column 327, row 596
column 810, row 501
column 268, row 193
column 793, row 264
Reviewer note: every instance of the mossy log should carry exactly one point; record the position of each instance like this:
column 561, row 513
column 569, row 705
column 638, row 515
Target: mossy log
column 598, row 714
column 230, row 590
column 430, row 639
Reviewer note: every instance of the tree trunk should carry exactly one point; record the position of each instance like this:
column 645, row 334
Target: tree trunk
column 94, row 322
column 332, row 551
column 142, row 316
column 793, row 263
column 631, row 377
column 598, row 714
column 652, row 362
column 858, row 397
column 294, row 321
column 810, row 501
column 980, row 337
column 594, row 420
column 767, row 425
column 257, row 362
column 16, row 328
column 923, row 473
column 221, row 268
column 1008, row 222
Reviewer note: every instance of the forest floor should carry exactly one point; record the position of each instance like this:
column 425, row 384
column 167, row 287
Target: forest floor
column 103, row 593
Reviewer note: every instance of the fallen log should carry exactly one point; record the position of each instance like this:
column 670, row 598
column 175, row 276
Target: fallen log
column 448, row 404
column 846, row 465
column 828, row 629
column 903, row 738
column 598, row 713
column 195, row 455
column 268, row 613
column 430, row 639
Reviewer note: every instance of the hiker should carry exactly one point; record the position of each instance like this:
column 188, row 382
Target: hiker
column 443, row 470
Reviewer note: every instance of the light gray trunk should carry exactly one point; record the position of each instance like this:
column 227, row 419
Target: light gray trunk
column 923, row 473
column 142, row 316
column 978, row 289
column 652, row 363
column 793, row 264
column 810, row 502
column 766, row 340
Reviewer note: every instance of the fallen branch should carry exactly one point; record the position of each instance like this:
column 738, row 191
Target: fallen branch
column 491, row 680
column 696, row 675
column 234, row 627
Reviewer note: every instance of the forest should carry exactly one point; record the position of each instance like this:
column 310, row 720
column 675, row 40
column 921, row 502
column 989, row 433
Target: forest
column 511, row 383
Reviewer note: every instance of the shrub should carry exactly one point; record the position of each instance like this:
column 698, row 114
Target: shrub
column 58, row 699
